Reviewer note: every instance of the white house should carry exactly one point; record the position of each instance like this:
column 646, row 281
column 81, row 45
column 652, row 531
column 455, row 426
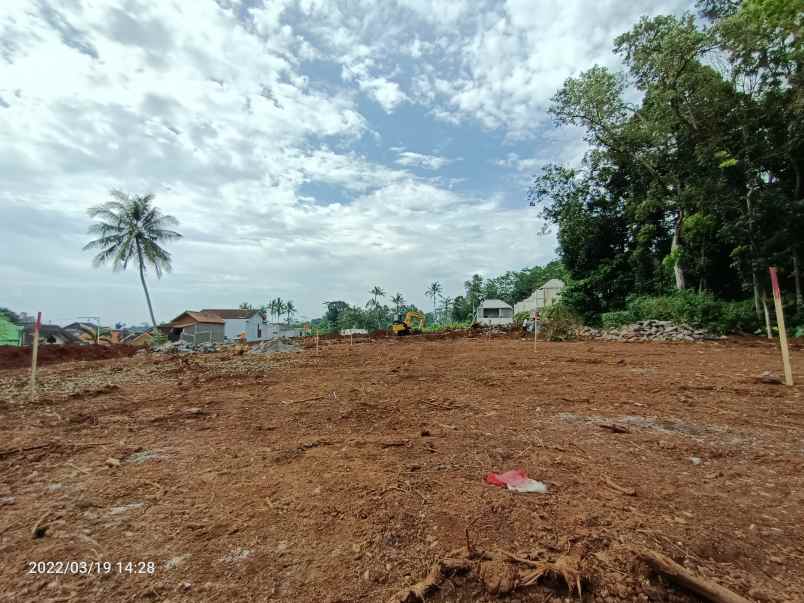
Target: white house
column 544, row 296
column 494, row 312
column 250, row 322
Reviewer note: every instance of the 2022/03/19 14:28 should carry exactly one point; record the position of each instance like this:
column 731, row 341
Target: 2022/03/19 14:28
column 91, row 567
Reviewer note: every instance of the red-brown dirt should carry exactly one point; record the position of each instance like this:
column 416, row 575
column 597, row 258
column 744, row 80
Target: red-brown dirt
column 14, row 357
column 343, row 475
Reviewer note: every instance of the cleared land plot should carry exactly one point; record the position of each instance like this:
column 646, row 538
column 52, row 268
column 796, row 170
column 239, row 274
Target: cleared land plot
column 343, row 476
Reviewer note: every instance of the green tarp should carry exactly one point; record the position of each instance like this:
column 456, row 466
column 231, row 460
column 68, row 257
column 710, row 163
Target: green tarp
column 10, row 334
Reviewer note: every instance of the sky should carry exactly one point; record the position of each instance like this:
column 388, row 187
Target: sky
column 310, row 149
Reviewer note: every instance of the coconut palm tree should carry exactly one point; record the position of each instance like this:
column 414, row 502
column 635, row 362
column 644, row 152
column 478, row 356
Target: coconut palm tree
column 280, row 308
column 398, row 300
column 290, row 310
column 434, row 291
column 447, row 305
column 377, row 292
column 132, row 229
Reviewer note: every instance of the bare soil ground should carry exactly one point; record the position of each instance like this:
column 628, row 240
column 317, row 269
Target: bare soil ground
column 13, row 357
column 343, row 475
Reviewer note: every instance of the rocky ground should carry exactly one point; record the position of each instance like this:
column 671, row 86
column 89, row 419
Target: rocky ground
column 352, row 472
column 649, row 330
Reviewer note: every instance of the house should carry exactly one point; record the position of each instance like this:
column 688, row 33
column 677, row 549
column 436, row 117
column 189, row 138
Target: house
column 85, row 331
column 250, row 322
column 197, row 327
column 138, row 340
column 10, row 334
column 494, row 312
column 281, row 329
column 354, row 331
column 48, row 334
column 541, row 298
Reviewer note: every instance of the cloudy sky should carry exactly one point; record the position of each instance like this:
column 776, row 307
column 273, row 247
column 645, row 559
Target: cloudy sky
column 310, row 148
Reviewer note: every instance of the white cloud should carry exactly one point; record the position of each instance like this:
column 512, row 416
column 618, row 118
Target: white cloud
column 270, row 166
column 430, row 162
column 385, row 92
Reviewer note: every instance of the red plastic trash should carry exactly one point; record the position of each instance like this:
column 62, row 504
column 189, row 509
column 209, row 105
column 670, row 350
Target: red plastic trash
column 516, row 480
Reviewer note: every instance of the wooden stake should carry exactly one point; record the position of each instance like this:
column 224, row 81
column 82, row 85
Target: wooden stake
column 767, row 315
column 535, row 331
column 316, row 340
column 35, row 354
column 777, row 302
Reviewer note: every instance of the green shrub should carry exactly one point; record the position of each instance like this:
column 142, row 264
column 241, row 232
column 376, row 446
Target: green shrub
column 451, row 326
column 559, row 322
column 520, row 317
column 701, row 310
column 738, row 317
column 612, row 320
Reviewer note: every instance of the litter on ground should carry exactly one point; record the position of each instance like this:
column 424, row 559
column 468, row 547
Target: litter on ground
column 516, row 480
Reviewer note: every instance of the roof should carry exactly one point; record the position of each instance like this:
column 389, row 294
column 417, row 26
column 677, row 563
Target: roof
column 239, row 313
column 48, row 330
column 189, row 317
column 554, row 283
column 138, row 338
column 494, row 303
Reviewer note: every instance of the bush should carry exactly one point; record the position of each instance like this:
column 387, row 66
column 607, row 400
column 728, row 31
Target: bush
column 701, row 310
column 612, row 320
column 738, row 317
column 520, row 317
column 451, row 326
column 559, row 322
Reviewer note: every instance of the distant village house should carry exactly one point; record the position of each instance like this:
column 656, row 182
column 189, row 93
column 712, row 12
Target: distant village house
column 237, row 321
column 543, row 297
column 197, row 328
column 495, row 312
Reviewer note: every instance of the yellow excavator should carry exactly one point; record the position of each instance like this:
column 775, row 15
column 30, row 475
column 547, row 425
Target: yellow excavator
column 412, row 322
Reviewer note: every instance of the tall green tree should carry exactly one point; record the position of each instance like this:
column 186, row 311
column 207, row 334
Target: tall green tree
column 434, row 291
column 398, row 300
column 290, row 310
column 376, row 293
column 697, row 183
column 132, row 229
column 474, row 292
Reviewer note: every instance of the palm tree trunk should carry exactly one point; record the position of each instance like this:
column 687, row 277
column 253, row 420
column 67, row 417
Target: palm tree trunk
column 145, row 287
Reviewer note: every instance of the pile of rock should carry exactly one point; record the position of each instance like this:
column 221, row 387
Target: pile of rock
column 648, row 330
column 183, row 347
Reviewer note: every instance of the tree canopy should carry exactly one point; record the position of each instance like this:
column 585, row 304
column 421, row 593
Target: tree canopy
column 697, row 185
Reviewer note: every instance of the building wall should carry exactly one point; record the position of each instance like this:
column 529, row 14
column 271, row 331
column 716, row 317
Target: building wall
column 203, row 333
column 505, row 316
column 541, row 298
column 253, row 327
column 280, row 330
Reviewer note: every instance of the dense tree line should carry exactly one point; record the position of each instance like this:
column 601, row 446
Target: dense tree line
column 512, row 286
column 693, row 178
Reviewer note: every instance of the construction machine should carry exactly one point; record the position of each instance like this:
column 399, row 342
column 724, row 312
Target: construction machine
column 405, row 325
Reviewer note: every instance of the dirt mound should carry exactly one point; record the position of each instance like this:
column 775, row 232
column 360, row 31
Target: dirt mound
column 13, row 358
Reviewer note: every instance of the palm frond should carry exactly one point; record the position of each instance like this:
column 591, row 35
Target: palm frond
column 130, row 227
